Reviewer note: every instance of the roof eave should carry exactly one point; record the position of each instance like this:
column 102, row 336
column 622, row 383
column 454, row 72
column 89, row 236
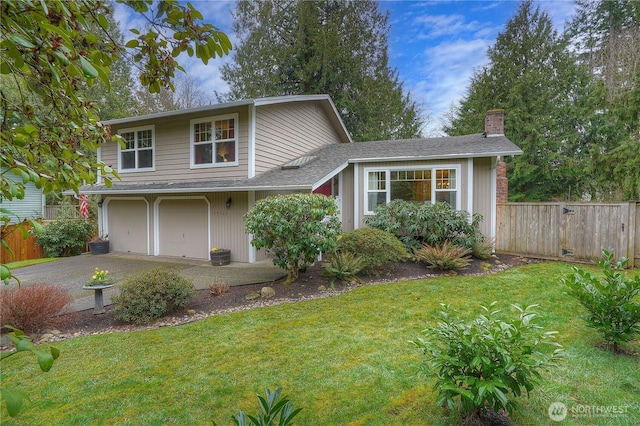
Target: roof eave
column 149, row 191
column 435, row 156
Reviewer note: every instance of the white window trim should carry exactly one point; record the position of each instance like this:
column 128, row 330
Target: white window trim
column 212, row 120
column 153, row 149
column 431, row 167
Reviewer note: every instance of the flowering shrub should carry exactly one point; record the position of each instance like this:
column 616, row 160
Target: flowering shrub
column 101, row 277
column 218, row 249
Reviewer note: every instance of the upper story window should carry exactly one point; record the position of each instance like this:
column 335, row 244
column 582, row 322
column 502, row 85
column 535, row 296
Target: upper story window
column 419, row 185
column 214, row 141
column 137, row 153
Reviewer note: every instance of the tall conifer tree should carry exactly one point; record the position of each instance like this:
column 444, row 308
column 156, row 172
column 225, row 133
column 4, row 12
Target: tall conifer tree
column 548, row 102
column 335, row 47
column 606, row 34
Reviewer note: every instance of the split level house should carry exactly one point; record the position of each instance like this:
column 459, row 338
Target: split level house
column 187, row 177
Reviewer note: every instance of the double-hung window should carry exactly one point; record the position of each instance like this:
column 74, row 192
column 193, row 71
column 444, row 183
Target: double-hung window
column 214, row 141
column 137, row 152
column 434, row 184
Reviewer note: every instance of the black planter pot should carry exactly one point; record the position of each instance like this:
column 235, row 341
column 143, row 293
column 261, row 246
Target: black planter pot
column 99, row 247
column 220, row 258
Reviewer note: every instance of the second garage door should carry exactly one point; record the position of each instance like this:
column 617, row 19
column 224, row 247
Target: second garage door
column 183, row 228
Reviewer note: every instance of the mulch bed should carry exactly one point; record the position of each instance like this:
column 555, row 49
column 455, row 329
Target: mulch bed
column 310, row 284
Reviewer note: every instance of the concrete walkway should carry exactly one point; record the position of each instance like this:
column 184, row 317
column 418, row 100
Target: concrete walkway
column 74, row 272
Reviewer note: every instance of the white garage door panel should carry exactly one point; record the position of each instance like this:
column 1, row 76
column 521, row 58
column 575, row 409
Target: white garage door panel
column 183, row 228
column 127, row 224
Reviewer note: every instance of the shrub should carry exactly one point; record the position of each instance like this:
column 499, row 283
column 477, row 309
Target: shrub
column 445, row 257
column 65, row 237
column 151, row 295
column 294, row 228
column 482, row 248
column 35, row 307
column 487, row 360
column 378, row 250
column 218, row 287
column 431, row 224
column 613, row 312
column 274, row 411
column 343, row 266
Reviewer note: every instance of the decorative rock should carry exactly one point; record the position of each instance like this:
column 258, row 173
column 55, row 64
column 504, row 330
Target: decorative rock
column 322, row 288
column 267, row 292
column 191, row 312
column 252, row 296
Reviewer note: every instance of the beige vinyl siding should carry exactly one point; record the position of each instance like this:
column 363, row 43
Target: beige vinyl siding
column 482, row 192
column 172, row 151
column 347, row 199
column 362, row 180
column 227, row 225
column 287, row 131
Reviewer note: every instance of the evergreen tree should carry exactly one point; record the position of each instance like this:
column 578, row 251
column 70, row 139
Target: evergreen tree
column 606, row 34
column 335, row 47
column 548, row 100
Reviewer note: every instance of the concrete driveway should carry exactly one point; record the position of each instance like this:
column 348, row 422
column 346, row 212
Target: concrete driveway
column 73, row 272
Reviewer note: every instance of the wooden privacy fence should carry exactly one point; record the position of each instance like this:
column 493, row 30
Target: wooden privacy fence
column 569, row 231
column 23, row 249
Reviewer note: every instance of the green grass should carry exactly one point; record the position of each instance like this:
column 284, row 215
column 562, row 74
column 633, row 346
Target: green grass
column 23, row 263
column 345, row 360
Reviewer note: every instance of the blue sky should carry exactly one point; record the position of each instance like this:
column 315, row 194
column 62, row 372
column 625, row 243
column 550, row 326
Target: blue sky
column 434, row 45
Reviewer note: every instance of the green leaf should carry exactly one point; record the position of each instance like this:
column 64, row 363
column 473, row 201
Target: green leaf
column 13, row 399
column 24, row 345
column 87, row 69
column 45, row 359
column 21, row 41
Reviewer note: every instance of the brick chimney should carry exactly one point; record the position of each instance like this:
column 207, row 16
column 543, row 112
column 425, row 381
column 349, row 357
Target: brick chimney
column 502, row 183
column 494, row 123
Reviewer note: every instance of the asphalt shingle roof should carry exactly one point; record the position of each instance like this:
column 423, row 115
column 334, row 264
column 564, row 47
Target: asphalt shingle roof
column 331, row 159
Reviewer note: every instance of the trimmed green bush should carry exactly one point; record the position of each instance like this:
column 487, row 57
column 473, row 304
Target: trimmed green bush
column 378, row 250
column 151, row 295
column 431, row 224
column 487, row 361
column 64, row 237
column 445, row 257
column 613, row 306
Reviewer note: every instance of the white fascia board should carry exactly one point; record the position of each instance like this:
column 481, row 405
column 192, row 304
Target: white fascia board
column 328, row 176
column 177, row 112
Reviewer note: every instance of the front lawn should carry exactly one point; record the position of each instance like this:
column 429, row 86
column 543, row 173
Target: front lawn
column 345, row 360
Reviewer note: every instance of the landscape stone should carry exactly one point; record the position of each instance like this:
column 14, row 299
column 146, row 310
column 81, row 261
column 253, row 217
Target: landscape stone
column 267, row 292
column 252, row 296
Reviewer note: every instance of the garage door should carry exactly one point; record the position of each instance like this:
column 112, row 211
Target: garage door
column 183, row 228
column 127, row 226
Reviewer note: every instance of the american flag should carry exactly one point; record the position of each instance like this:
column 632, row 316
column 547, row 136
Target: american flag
column 84, row 206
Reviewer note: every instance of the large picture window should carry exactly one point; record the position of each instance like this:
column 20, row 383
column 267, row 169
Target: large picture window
column 214, row 141
column 137, row 153
column 418, row 185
